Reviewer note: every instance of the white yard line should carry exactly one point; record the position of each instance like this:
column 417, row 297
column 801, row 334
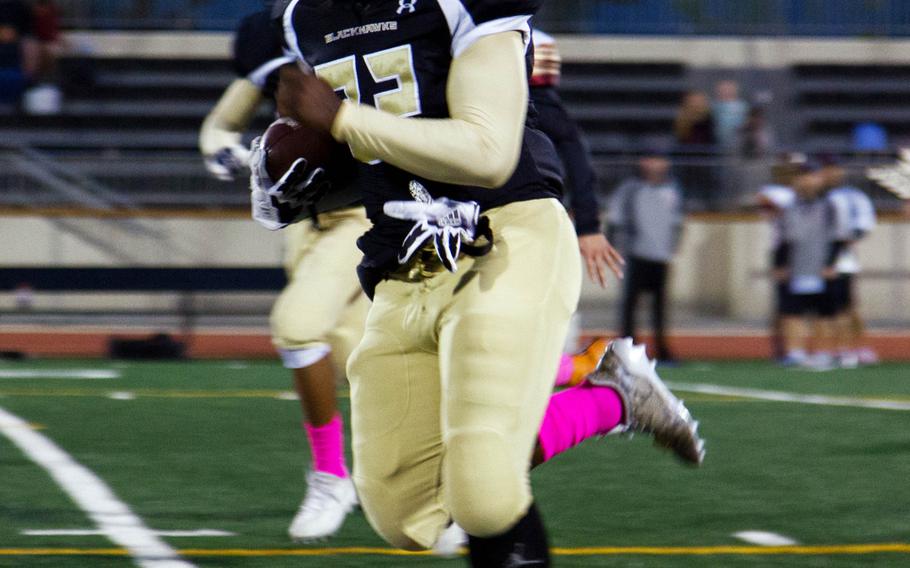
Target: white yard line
column 111, row 515
column 96, row 532
column 121, row 395
column 780, row 396
column 287, row 395
column 764, row 538
column 77, row 374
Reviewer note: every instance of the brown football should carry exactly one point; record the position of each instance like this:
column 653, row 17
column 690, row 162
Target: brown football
column 285, row 140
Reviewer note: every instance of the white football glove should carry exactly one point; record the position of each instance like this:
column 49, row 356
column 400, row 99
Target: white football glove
column 446, row 221
column 228, row 163
column 896, row 177
column 277, row 205
column 299, row 185
column 266, row 210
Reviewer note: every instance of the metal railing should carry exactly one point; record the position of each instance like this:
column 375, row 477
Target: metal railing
column 709, row 182
column 667, row 17
column 114, row 182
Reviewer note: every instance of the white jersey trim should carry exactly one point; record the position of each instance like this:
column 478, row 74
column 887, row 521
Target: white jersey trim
column 302, row 358
column 510, row 24
column 543, row 38
column 465, row 32
column 259, row 75
column 290, row 34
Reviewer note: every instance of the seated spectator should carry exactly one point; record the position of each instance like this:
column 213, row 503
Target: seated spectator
column 694, row 129
column 16, row 60
column 46, row 21
column 694, row 124
column 756, row 136
column 730, row 114
column 45, row 97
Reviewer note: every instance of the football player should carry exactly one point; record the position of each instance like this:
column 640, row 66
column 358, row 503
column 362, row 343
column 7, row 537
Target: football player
column 555, row 122
column 472, row 264
column 319, row 316
column 257, row 57
column 596, row 252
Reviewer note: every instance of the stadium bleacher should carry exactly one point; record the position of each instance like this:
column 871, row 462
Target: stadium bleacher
column 831, row 99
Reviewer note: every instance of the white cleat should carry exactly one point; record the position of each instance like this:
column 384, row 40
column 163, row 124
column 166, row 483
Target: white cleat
column 820, row 362
column 328, row 501
column 649, row 406
column 450, row 542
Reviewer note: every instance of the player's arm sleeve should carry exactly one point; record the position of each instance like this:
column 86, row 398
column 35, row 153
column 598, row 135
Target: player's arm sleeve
column 867, row 219
column 226, row 123
column 479, row 145
column 782, row 255
column 576, row 159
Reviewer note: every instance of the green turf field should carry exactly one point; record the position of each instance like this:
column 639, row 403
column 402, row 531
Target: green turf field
column 214, row 445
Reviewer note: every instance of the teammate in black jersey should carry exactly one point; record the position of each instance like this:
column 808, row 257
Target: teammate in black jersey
column 555, row 122
column 472, row 264
column 318, row 319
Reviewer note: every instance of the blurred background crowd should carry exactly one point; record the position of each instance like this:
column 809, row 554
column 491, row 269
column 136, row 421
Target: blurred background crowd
column 101, row 103
column 721, row 120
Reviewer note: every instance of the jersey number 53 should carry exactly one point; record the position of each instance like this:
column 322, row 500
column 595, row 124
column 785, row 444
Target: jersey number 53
column 394, row 64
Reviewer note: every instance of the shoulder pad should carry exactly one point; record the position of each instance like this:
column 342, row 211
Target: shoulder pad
column 257, row 42
column 486, row 10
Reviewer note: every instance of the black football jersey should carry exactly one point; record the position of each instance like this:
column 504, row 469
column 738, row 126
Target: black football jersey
column 395, row 55
column 259, row 52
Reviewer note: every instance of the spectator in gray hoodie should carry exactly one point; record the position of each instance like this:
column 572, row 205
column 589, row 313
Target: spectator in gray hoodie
column 645, row 221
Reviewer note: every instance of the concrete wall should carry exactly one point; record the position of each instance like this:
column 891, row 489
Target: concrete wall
column 721, row 268
column 722, row 52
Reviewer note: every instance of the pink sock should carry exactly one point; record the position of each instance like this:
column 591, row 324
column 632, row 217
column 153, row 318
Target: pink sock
column 576, row 414
column 327, row 447
column 566, row 367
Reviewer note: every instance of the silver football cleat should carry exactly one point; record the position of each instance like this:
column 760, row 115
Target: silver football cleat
column 649, row 406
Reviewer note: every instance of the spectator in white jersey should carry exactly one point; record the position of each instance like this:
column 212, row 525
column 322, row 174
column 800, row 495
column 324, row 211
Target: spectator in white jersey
column 645, row 221
column 854, row 216
column 772, row 200
column 804, row 262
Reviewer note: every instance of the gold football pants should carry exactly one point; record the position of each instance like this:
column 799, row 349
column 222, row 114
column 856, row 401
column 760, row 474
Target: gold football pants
column 453, row 375
column 322, row 302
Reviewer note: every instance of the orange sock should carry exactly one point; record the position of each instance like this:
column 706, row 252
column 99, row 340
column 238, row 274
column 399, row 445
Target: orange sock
column 585, row 361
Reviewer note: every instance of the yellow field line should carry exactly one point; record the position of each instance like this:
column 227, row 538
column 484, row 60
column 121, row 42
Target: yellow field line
column 804, row 550
column 822, row 550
